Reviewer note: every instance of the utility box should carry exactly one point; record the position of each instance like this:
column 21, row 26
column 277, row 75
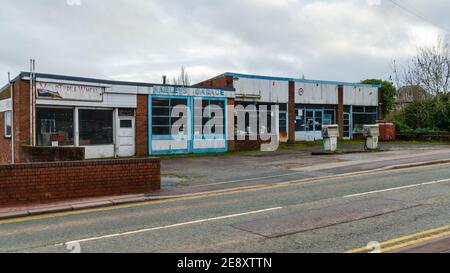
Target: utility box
column 371, row 134
column 330, row 134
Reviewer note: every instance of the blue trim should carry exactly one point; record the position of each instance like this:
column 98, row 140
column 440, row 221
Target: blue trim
column 230, row 74
column 150, row 125
column 190, row 133
column 225, row 136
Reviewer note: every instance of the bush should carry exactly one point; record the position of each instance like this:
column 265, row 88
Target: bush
column 430, row 115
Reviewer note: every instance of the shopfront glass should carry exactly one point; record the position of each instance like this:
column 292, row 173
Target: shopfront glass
column 163, row 118
column 54, row 127
column 96, row 127
column 363, row 115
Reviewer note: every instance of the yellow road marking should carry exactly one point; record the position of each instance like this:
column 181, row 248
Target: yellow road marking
column 405, row 238
column 416, row 242
column 175, row 199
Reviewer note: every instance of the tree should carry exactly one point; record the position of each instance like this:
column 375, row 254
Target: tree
column 183, row 79
column 389, row 92
column 429, row 68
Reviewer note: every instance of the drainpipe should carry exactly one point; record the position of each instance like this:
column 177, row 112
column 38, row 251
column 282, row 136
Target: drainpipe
column 13, row 160
column 32, row 67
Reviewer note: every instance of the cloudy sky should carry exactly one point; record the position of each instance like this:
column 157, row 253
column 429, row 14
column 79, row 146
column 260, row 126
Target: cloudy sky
column 141, row 40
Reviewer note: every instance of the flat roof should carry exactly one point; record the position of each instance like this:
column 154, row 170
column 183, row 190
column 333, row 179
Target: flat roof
column 100, row 81
column 249, row 76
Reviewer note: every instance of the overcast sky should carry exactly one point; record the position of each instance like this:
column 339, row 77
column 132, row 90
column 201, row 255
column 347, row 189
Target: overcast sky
column 141, row 40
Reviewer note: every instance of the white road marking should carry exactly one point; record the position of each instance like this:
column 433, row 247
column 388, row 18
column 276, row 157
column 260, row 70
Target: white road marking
column 398, row 188
column 167, row 227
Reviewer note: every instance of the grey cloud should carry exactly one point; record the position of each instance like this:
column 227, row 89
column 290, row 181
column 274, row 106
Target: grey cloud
column 143, row 40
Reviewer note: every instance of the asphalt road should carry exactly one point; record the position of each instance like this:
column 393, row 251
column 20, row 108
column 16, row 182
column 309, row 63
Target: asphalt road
column 398, row 209
column 187, row 175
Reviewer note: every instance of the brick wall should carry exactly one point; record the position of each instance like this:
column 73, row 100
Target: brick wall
column 340, row 110
column 52, row 154
column 142, row 126
column 219, row 82
column 41, row 183
column 5, row 143
column 21, row 90
column 291, row 113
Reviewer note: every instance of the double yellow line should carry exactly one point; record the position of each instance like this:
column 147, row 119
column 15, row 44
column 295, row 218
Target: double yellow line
column 407, row 241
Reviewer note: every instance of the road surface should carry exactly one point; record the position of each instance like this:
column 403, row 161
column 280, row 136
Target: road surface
column 394, row 211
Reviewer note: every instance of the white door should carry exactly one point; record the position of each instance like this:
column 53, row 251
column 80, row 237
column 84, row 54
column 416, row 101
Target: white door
column 126, row 137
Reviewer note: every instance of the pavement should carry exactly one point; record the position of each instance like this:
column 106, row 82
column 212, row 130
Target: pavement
column 390, row 210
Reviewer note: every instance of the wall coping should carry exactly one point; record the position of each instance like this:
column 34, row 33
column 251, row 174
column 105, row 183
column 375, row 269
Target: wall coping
column 99, row 162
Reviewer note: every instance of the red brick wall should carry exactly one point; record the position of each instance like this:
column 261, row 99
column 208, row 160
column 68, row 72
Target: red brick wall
column 291, row 113
column 21, row 97
column 142, row 126
column 40, row 183
column 219, row 82
column 231, row 146
column 340, row 110
column 5, row 143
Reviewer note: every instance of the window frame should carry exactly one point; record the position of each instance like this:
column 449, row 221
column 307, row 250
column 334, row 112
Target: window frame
column 47, row 107
column 6, row 135
column 80, row 109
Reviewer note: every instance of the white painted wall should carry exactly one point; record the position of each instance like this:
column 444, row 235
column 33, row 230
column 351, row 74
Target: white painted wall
column 316, row 93
column 361, row 96
column 5, row 105
column 101, row 151
column 268, row 90
column 209, row 144
column 168, row 145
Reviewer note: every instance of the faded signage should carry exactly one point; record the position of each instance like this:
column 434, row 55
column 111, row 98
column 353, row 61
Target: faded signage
column 56, row 91
column 5, row 105
column 188, row 91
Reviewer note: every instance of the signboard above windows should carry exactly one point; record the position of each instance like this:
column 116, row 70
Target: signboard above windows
column 190, row 92
column 57, row 91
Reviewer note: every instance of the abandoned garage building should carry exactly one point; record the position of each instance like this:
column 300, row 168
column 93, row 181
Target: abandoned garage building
column 306, row 105
column 125, row 119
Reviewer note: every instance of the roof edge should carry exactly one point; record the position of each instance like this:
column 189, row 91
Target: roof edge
column 249, row 76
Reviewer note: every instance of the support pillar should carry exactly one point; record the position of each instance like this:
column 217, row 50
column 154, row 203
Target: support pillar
column 340, row 111
column 291, row 113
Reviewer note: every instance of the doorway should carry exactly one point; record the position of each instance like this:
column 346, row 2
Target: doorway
column 126, row 133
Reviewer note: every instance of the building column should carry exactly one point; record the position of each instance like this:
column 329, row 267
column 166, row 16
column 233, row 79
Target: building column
column 230, row 125
column 340, row 110
column 142, row 130
column 291, row 113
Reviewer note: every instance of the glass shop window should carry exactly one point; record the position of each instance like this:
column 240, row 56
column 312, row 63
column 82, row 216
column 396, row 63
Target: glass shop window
column 54, row 127
column 265, row 109
column 96, row 127
column 363, row 116
column 8, row 123
column 162, row 119
column 211, row 109
column 300, row 120
column 126, row 124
